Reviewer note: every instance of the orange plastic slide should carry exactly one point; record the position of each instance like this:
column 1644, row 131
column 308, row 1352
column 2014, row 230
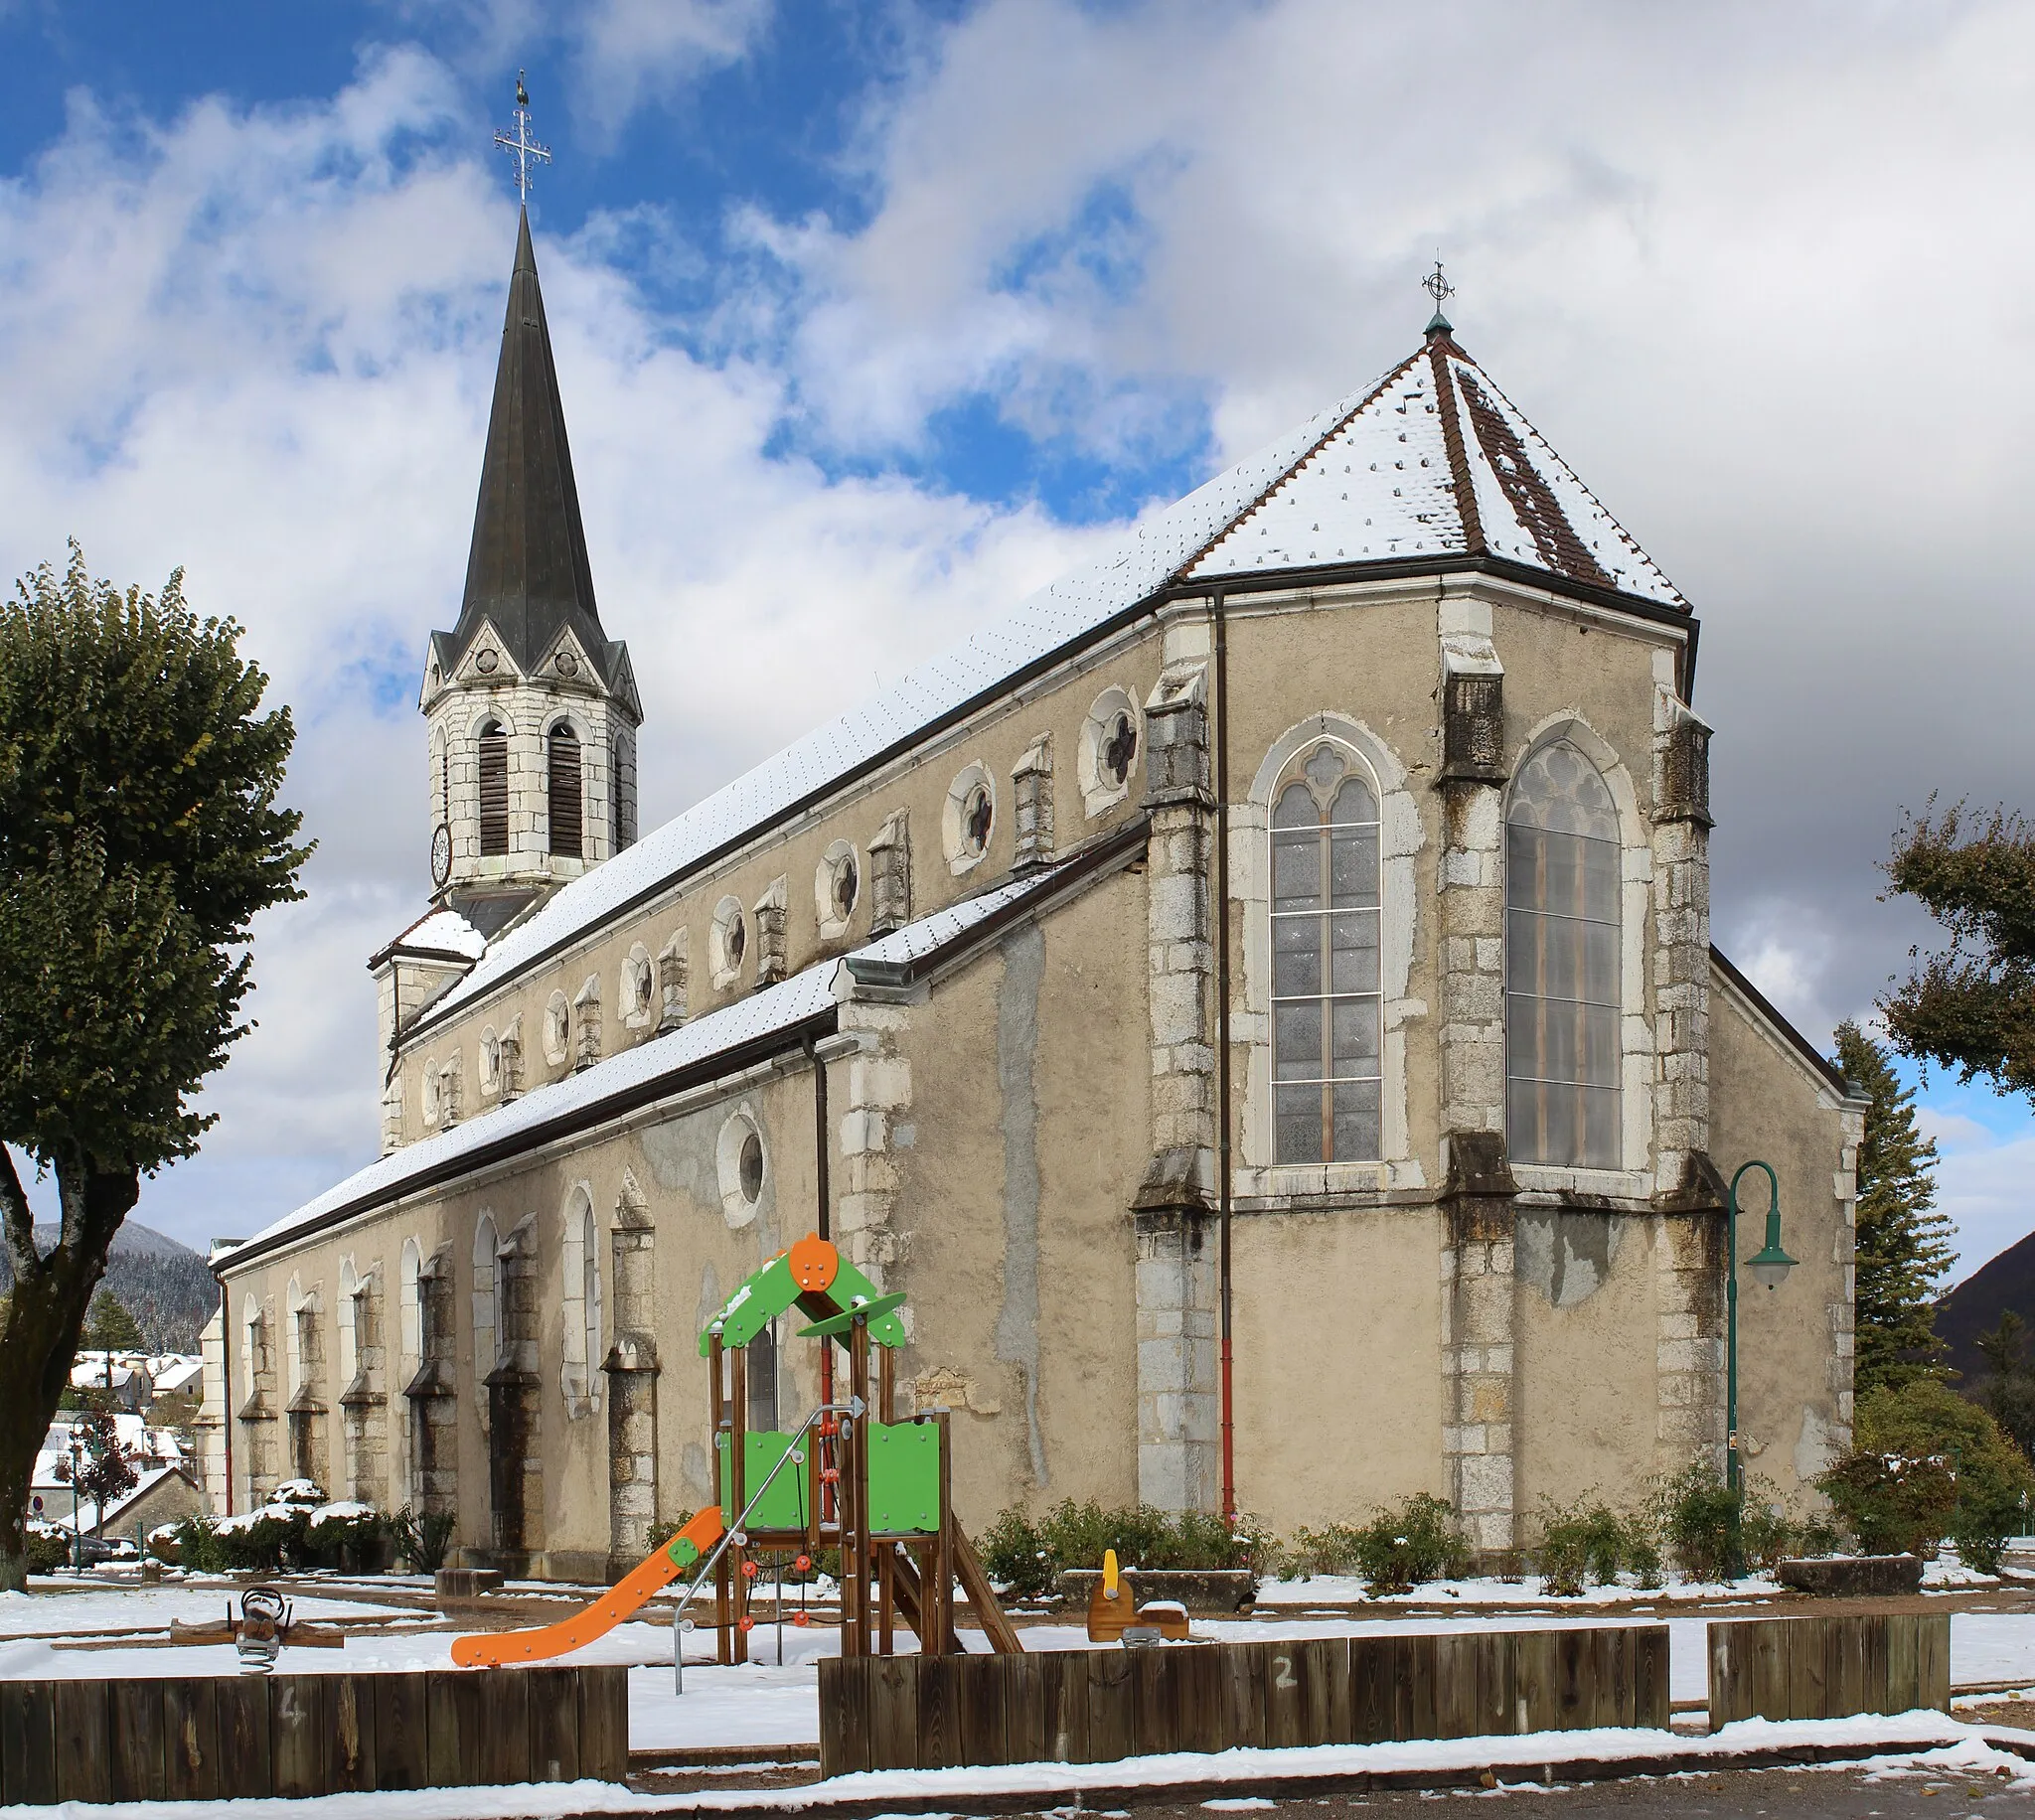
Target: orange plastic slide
column 495, row 1648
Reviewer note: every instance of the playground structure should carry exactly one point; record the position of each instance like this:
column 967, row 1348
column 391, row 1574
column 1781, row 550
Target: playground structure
column 1114, row 1616
column 852, row 1477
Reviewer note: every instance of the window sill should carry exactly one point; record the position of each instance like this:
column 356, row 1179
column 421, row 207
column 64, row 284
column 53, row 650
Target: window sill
column 1618, row 1185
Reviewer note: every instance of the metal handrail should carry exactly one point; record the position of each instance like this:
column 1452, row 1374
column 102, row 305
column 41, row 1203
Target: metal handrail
column 854, row 1409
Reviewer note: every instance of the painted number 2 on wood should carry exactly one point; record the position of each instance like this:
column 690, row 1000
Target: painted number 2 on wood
column 1284, row 1677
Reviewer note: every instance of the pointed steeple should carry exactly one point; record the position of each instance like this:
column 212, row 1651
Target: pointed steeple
column 528, row 571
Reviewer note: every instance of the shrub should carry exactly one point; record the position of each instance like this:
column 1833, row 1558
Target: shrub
column 263, row 1540
column 1929, row 1467
column 1308, row 1552
column 47, row 1550
column 348, row 1536
column 1591, row 1542
column 1015, row 1555
column 1026, row 1555
column 423, row 1538
column 1701, row 1521
column 199, row 1548
column 1417, row 1540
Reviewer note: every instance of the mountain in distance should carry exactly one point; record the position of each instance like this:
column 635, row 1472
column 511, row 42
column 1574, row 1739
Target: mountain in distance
column 1973, row 1306
column 165, row 1286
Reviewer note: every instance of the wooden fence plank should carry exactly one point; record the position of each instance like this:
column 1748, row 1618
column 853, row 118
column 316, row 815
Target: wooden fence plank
column 1371, row 1689
column 1933, row 1660
column 1807, row 1672
column 402, row 1739
column 1846, row 1664
column 604, row 1722
column 1536, row 1698
column 137, row 1732
column 190, row 1766
column 1902, row 1689
column 1244, row 1670
column 1285, row 1696
column 893, row 1712
column 453, row 1726
column 28, row 1743
column 940, row 1745
column 1649, row 1677
column 505, row 1726
column 1066, row 1705
column 247, row 1760
column 1767, row 1666
column 1331, row 1712
column 1155, row 1700
column 296, row 1734
column 1574, row 1661
column 1112, row 1706
column 846, row 1726
column 979, row 1698
column 350, row 1733
column 1024, row 1728
column 85, row 1768
column 554, row 1725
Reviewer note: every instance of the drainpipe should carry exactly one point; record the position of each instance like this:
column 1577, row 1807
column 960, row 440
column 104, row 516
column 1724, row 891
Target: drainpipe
column 1222, row 1152
column 825, row 1231
column 226, row 1389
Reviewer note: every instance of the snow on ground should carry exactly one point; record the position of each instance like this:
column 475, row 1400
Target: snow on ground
column 1886, row 1745
column 109, row 1611
column 1348, row 1589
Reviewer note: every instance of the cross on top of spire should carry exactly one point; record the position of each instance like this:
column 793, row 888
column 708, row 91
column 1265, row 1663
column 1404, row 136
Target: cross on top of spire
column 1437, row 286
column 523, row 148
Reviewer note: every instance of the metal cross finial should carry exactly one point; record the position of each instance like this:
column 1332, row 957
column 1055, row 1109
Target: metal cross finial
column 1437, row 286
column 523, row 148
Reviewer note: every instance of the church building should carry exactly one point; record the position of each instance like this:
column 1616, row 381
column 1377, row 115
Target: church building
column 1256, row 999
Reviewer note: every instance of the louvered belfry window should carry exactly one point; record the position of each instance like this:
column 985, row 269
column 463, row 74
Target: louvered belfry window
column 1562, row 958
column 494, row 775
column 568, row 819
column 1324, row 965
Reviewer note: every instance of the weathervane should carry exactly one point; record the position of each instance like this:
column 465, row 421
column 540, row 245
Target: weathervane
column 523, row 148
column 1437, row 286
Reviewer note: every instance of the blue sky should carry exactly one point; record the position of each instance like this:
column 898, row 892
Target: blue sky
column 873, row 316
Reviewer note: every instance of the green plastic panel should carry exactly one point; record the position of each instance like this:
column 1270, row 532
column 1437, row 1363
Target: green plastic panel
column 784, row 1504
column 773, row 1289
column 904, row 1477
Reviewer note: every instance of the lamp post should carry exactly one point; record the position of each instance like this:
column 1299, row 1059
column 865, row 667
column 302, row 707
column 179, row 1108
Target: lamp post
column 1769, row 1265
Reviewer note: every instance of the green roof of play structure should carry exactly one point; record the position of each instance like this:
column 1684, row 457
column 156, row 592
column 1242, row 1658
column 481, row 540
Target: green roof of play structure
column 774, row 1290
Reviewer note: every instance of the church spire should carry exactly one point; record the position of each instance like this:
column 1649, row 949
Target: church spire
column 526, row 571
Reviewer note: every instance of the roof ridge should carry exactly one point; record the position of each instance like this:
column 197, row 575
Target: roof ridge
column 1574, row 476
column 1459, row 481
column 1321, row 442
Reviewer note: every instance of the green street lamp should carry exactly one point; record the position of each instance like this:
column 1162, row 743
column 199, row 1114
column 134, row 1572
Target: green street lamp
column 1769, row 1265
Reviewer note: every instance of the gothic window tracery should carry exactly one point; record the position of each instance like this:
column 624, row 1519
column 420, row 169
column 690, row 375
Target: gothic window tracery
column 1562, row 959
column 1326, row 913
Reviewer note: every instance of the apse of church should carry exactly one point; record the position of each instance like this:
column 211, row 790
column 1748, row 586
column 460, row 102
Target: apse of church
column 1258, row 1002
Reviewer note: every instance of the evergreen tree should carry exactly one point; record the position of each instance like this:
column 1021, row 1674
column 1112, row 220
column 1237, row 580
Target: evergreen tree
column 1903, row 1241
column 139, row 836
column 2008, row 1393
column 109, row 1327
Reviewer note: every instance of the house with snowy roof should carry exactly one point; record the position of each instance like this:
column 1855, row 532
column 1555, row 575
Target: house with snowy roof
column 1256, row 999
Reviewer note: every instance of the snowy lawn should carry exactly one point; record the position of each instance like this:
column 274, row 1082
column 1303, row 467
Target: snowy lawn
column 93, row 1610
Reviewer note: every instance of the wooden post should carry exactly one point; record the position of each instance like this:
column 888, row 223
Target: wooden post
column 717, row 1414
column 942, row 1562
column 887, row 1555
column 737, row 1558
column 857, row 1476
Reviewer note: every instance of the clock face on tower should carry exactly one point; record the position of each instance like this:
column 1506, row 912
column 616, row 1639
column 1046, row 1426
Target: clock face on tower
column 441, row 854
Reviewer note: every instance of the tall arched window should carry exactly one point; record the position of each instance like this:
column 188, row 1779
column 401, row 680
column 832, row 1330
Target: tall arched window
column 487, row 1307
column 590, row 1297
column 1325, row 963
column 494, row 781
column 566, row 815
column 1562, row 951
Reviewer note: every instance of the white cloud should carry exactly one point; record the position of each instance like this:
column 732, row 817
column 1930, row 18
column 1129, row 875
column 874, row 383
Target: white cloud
column 264, row 351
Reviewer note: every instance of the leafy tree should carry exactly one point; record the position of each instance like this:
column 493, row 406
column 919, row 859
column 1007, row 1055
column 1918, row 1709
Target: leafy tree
column 1929, row 1464
column 103, row 1470
column 1904, row 1245
column 1972, row 1007
column 109, row 1327
column 139, row 836
column 2008, row 1393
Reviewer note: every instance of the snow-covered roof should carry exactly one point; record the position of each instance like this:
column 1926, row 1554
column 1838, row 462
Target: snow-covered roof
column 1490, row 487
column 1437, row 460
column 622, row 1077
column 442, row 935
column 172, row 1371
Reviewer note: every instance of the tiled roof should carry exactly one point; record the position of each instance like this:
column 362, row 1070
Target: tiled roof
column 1436, row 461
column 1281, row 508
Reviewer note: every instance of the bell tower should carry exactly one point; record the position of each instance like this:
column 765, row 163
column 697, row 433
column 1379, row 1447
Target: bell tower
column 531, row 708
